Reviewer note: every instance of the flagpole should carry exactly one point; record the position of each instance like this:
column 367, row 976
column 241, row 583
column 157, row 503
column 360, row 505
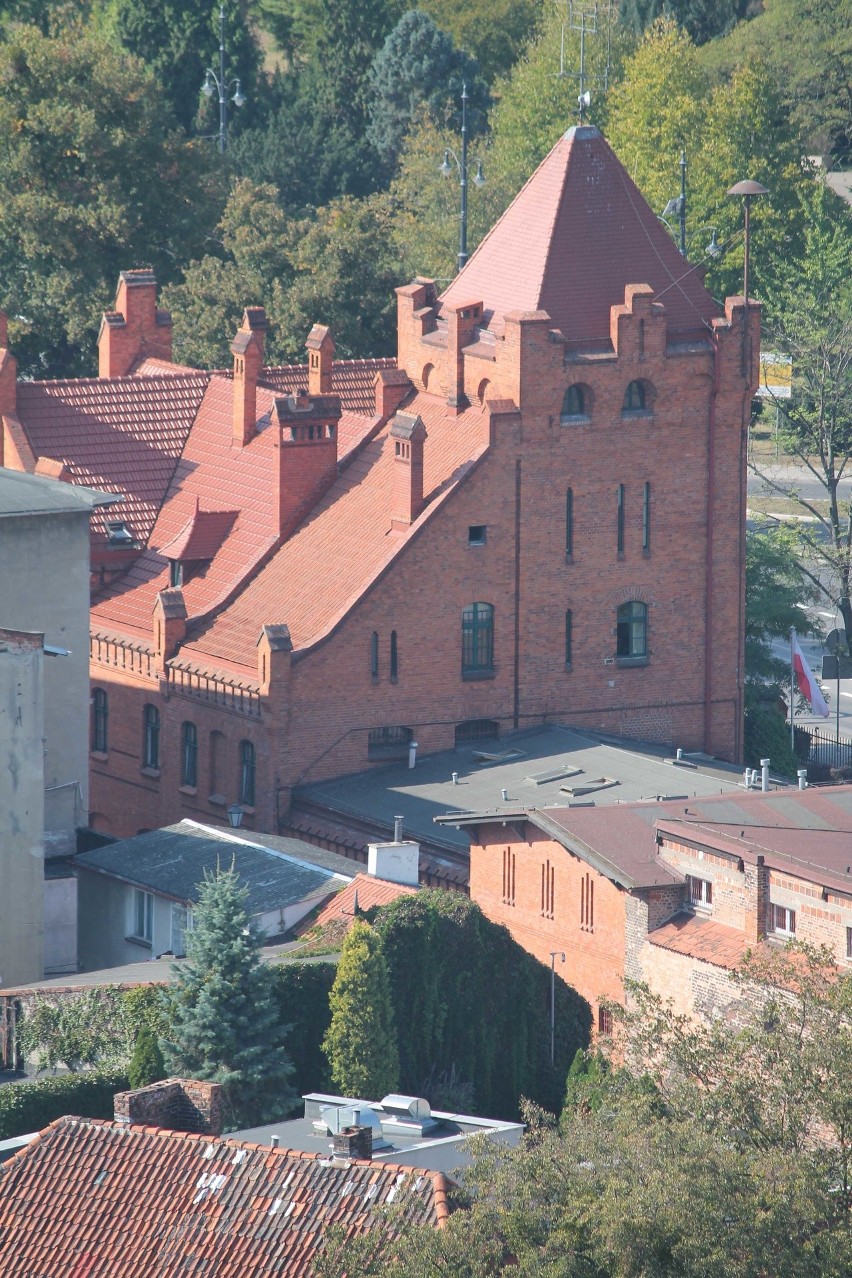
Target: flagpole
column 792, row 693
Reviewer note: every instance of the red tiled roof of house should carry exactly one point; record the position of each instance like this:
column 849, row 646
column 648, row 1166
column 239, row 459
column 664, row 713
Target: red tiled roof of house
column 123, row 434
column 351, row 379
column 201, row 535
column 702, row 939
column 105, row 1200
column 345, row 543
column 223, row 477
column 372, row 892
column 575, row 235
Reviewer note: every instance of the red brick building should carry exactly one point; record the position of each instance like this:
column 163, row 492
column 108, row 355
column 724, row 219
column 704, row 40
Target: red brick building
column 534, row 513
column 673, row 893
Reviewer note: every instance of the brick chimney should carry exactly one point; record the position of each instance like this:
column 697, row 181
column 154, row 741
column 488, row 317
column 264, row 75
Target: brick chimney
column 392, row 385
column 136, row 328
column 179, row 1104
column 169, row 624
column 274, row 655
column 461, row 323
column 320, row 346
column 353, row 1142
column 8, row 374
column 756, row 899
column 307, row 453
column 407, row 433
column 247, row 349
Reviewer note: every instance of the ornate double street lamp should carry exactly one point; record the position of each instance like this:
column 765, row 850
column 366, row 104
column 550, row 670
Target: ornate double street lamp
column 462, row 166
column 214, row 82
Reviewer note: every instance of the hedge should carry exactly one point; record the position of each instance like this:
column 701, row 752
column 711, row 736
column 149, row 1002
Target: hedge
column 303, row 990
column 28, row 1107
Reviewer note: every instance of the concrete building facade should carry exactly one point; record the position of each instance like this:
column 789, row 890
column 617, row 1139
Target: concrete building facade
column 514, row 521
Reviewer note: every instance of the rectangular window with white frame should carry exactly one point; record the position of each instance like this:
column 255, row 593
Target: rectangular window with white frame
column 143, row 916
column 700, row 892
column 849, row 942
column 782, row 921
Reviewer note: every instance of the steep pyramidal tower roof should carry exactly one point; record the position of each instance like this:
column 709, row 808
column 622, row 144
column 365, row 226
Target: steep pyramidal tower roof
column 574, row 236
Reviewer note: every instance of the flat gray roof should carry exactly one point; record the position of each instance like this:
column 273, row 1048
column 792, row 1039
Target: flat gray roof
column 23, row 494
column 173, row 861
column 534, row 767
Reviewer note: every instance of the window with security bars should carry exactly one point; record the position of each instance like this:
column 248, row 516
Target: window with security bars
column 700, row 891
column 100, row 721
column 389, row 743
column 632, row 629
column 782, row 921
column 478, row 638
column 604, row 1022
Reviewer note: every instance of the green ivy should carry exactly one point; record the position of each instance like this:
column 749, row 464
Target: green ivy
column 28, row 1107
column 303, row 990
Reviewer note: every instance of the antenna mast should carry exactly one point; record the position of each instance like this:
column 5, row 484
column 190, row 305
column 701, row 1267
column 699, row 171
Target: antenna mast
column 585, row 21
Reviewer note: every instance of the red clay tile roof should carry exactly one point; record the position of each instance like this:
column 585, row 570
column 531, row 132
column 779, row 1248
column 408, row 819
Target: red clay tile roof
column 201, row 535
column 123, row 434
column 371, row 892
column 575, row 235
column 346, row 542
column 109, row 1201
column 702, row 939
column 351, row 379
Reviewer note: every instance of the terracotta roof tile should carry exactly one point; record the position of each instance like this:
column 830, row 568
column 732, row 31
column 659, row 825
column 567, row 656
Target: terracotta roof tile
column 702, row 939
column 575, row 235
column 110, row 1200
column 351, row 379
column 346, row 542
column 201, row 535
column 123, row 434
column 372, row 892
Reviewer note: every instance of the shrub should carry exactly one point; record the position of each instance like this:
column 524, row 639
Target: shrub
column 302, row 991
column 146, row 1064
column 28, row 1107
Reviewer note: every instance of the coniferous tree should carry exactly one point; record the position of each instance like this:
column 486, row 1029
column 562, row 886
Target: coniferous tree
column 361, row 1042
column 146, row 1064
column 226, row 1024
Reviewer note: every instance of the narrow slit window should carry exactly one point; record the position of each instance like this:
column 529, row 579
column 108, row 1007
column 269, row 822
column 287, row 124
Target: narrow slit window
column 394, row 656
column 646, row 516
column 620, row 518
column 374, row 655
column 569, row 624
column 569, row 523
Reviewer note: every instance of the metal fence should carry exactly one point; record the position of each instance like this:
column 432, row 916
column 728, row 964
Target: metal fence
column 814, row 746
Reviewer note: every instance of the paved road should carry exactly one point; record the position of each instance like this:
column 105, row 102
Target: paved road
column 793, row 477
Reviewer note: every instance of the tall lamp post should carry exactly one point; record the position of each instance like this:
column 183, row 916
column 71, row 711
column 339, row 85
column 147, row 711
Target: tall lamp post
column 554, row 954
column 462, row 166
column 677, row 206
column 214, row 82
column 748, row 190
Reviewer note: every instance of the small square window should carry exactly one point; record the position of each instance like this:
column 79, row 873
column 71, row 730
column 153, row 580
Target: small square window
column 477, row 535
column 782, row 921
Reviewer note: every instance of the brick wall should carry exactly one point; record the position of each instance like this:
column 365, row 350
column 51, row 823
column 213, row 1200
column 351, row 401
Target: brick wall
column 592, row 938
column 183, row 1105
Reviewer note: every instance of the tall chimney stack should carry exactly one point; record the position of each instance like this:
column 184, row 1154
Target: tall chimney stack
column 247, row 349
column 407, row 434
column 135, row 328
column 320, row 347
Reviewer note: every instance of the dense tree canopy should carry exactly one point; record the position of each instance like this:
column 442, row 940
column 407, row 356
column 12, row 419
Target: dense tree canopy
column 93, row 183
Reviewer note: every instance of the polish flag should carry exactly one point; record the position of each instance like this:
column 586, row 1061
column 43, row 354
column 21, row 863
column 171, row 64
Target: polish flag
column 808, row 685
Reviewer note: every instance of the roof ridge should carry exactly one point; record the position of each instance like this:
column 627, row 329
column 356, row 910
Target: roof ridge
column 128, row 379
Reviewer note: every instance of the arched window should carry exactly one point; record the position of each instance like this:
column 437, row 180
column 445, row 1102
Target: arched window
column 477, row 639
column 394, row 656
column 635, row 398
column 632, row 629
column 426, row 374
column 100, row 721
column 573, row 404
column 151, row 737
column 374, row 655
column 189, row 754
column 483, row 390
column 569, row 626
column 247, row 772
column 477, row 730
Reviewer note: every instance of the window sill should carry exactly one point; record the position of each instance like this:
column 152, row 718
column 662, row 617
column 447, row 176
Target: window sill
column 575, row 419
column 471, row 676
column 646, row 552
column 100, row 755
column 150, row 772
column 218, row 799
column 188, row 789
column 626, row 662
column 140, row 941
column 569, row 666
column 630, row 414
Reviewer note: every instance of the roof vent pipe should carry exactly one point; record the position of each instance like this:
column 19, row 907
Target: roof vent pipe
column 275, row 1140
column 504, row 795
column 455, row 778
column 802, row 774
column 764, row 775
column 679, row 753
column 397, row 838
column 412, row 754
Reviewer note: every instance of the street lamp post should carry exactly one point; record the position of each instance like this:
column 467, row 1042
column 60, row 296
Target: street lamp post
column 462, row 166
column 553, row 956
column 748, row 190
column 212, row 82
column 678, row 206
